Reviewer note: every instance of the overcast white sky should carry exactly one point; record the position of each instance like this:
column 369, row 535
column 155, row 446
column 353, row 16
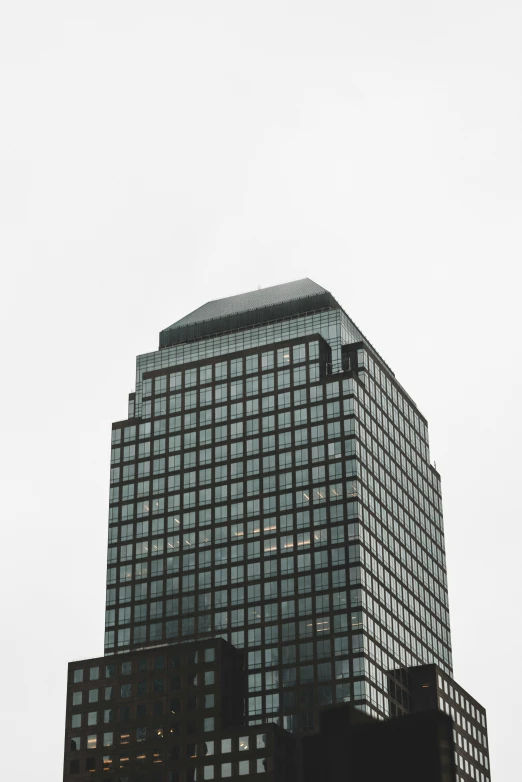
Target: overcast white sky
column 156, row 155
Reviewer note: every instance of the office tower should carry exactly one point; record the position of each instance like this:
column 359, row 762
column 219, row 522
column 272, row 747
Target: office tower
column 272, row 486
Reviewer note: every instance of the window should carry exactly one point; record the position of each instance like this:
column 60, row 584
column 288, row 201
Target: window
column 299, row 353
column 267, row 383
column 129, row 452
column 283, row 357
column 252, row 364
column 283, row 379
column 253, row 467
column 318, row 453
column 205, row 374
column 299, row 376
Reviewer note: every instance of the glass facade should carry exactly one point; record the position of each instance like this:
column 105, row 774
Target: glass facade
column 273, row 487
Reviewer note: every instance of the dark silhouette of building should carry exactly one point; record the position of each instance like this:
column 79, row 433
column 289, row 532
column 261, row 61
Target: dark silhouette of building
column 175, row 713
column 272, row 486
column 351, row 745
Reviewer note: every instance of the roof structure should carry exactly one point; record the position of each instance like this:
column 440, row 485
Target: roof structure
column 249, row 309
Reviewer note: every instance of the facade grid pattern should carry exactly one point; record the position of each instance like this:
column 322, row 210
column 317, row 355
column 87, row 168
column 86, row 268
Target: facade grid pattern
column 263, row 495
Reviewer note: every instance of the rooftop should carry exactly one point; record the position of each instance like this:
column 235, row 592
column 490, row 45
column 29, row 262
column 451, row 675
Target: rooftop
column 249, row 309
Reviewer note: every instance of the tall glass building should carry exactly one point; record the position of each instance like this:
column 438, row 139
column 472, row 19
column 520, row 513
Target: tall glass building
column 273, row 514
column 272, row 486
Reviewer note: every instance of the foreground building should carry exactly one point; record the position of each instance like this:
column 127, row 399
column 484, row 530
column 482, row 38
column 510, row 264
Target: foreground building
column 425, row 687
column 353, row 747
column 175, row 714
column 272, row 486
column 169, row 714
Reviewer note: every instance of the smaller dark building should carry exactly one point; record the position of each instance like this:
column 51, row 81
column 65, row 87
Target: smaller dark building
column 414, row 690
column 168, row 714
column 353, row 747
column 175, row 713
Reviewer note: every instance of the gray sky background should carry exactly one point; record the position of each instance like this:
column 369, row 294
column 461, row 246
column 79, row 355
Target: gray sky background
column 157, row 155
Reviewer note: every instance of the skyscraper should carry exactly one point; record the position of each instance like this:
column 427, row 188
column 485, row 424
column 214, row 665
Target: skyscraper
column 273, row 486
